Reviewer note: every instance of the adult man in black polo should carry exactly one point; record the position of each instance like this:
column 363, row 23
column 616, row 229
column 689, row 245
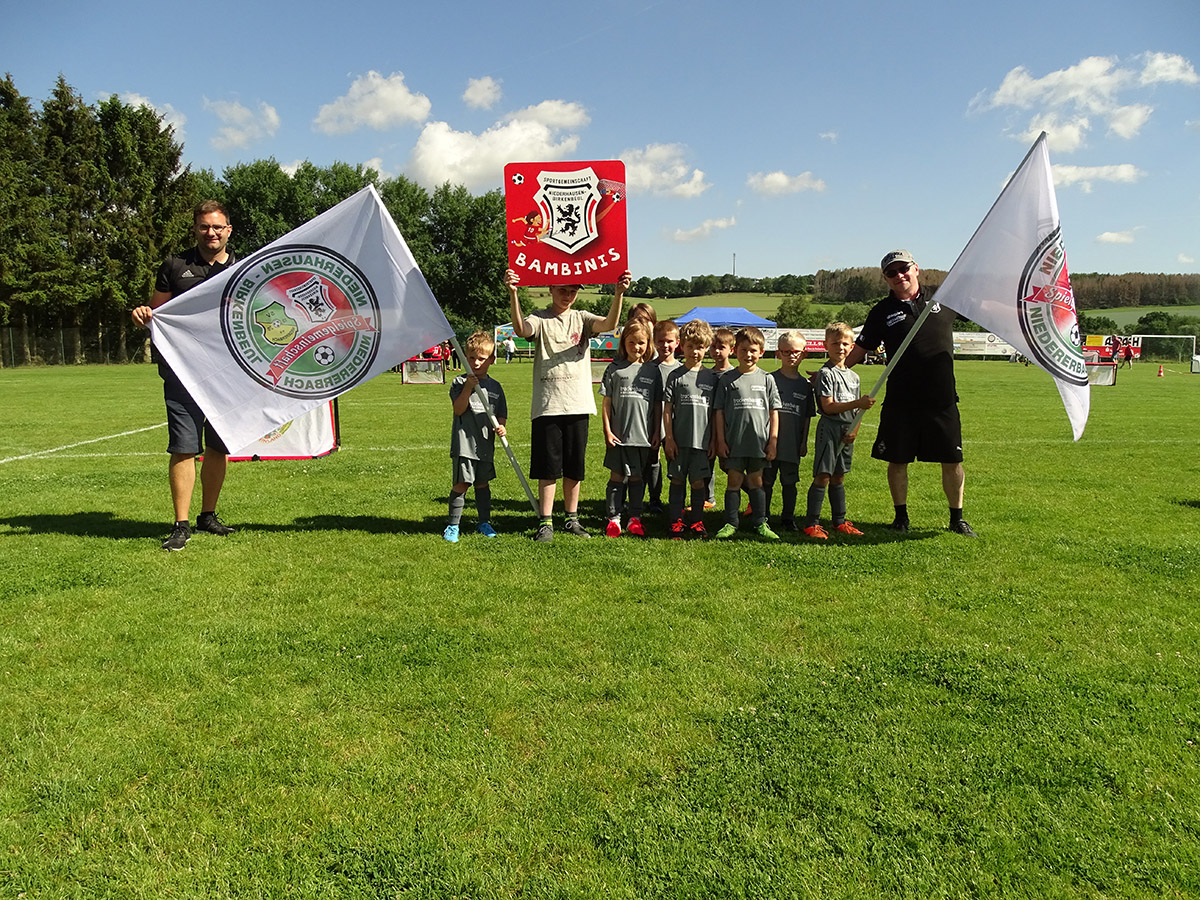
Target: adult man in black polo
column 189, row 432
column 920, row 418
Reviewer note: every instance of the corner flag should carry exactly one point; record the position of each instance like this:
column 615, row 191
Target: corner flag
column 326, row 307
column 1012, row 279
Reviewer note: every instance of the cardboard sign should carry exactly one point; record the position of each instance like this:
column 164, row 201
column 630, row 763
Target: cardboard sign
column 566, row 221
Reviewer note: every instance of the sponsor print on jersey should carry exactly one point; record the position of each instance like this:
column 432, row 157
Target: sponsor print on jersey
column 1046, row 311
column 301, row 320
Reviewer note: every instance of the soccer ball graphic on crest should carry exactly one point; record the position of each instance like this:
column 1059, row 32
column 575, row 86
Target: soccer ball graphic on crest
column 324, row 355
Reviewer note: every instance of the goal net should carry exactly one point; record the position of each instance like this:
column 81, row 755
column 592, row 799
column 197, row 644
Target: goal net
column 423, row 371
column 1166, row 347
column 1102, row 373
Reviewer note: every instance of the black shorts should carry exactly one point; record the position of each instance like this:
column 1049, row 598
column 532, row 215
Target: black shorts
column 928, row 435
column 188, row 432
column 559, row 447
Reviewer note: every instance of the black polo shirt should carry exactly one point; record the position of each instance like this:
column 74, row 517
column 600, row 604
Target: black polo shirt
column 188, row 269
column 924, row 376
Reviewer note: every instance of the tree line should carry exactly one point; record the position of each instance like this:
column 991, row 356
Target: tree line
column 94, row 196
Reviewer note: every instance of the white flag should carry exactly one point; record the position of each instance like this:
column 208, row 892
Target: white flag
column 324, row 308
column 1012, row 279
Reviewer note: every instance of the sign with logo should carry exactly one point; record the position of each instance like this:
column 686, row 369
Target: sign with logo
column 566, row 221
column 1046, row 306
column 301, row 321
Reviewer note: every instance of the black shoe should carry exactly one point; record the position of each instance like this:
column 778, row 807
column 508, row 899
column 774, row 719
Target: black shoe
column 572, row 526
column 900, row 525
column 208, row 521
column 545, row 533
column 656, row 507
column 788, row 525
column 961, row 527
column 180, row 535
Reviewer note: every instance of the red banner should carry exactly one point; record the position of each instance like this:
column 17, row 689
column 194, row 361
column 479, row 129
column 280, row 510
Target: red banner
column 566, row 221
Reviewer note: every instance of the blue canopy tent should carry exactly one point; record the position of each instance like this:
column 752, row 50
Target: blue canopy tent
column 729, row 316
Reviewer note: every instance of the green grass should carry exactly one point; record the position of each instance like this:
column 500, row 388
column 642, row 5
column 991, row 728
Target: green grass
column 334, row 702
column 1128, row 315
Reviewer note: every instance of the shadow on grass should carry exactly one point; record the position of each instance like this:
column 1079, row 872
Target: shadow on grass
column 1194, row 504
column 95, row 523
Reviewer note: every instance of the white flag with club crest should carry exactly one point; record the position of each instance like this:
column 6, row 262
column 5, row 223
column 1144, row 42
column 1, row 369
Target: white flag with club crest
column 326, row 307
column 1012, row 279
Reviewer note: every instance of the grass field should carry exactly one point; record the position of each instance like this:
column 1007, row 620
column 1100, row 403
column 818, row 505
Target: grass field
column 334, row 702
column 1126, row 316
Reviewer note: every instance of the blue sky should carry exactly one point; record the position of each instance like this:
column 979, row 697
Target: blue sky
column 795, row 135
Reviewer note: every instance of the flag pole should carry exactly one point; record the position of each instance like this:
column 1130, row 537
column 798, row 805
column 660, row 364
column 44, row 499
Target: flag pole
column 483, row 398
column 891, row 363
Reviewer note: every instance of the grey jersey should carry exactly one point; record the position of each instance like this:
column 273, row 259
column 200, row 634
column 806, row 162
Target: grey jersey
column 795, row 411
column 632, row 389
column 746, row 402
column 690, row 394
column 841, row 386
column 471, row 434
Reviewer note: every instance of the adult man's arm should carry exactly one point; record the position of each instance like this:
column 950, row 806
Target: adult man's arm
column 610, row 322
column 856, row 355
column 142, row 314
column 521, row 328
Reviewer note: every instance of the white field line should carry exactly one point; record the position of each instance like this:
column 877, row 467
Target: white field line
column 107, row 437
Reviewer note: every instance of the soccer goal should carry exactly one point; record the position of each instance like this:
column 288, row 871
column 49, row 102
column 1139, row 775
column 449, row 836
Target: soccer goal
column 1166, row 347
column 1101, row 372
column 423, row 371
column 598, row 367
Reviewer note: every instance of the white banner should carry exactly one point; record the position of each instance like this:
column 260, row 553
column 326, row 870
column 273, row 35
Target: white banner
column 1012, row 279
column 312, row 435
column 326, row 307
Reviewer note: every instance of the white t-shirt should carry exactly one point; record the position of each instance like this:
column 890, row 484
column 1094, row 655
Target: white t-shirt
column 562, row 362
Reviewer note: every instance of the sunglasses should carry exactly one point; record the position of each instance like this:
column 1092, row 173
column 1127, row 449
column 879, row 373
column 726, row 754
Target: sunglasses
column 897, row 270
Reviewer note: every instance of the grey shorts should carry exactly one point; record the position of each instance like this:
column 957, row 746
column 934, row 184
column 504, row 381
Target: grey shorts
column 831, row 455
column 472, row 471
column 784, row 472
column 627, row 461
column 188, row 431
column 689, row 465
column 744, row 463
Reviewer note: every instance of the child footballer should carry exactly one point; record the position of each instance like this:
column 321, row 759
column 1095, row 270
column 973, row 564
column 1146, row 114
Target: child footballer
column 472, row 438
column 746, row 426
column 687, row 423
column 837, row 391
column 632, row 416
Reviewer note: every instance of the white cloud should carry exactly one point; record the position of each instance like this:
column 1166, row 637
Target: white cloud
column 1065, row 176
column 662, row 169
column 1115, row 237
column 830, row 136
column 1127, row 121
column 482, row 93
column 1185, row 259
column 292, row 168
column 552, row 114
column 375, row 162
column 1090, row 88
column 374, row 102
column 1063, row 136
column 170, row 115
column 241, row 125
column 477, row 160
column 706, row 228
column 775, row 183
column 1168, row 67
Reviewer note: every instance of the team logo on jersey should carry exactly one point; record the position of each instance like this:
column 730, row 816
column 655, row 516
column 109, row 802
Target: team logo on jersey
column 568, row 201
column 301, row 320
column 1046, row 310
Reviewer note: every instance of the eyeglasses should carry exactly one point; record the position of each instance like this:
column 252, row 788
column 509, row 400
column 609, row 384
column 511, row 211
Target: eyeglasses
column 896, row 270
column 215, row 228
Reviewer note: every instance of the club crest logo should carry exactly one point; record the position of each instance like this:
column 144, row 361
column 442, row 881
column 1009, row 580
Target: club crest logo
column 1046, row 310
column 568, row 202
column 302, row 321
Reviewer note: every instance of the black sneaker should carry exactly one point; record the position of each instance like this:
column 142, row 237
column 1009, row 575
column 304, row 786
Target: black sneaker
column 180, row 535
column 545, row 533
column 788, row 525
column 900, row 525
column 208, row 521
column 572, row 526
column 961, row 527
